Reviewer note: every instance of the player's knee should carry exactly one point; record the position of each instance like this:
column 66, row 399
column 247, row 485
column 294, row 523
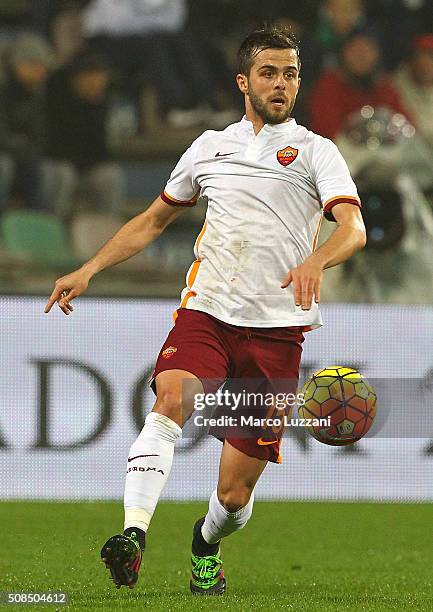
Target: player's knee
column 169, row 403
column 233, row 499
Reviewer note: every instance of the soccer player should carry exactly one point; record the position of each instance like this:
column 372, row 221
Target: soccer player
column 250, row 294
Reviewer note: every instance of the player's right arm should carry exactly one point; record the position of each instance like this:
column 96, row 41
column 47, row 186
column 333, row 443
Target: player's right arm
column 132, row 238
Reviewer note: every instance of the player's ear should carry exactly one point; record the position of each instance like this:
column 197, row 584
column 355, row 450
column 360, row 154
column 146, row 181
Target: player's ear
column 242, row 81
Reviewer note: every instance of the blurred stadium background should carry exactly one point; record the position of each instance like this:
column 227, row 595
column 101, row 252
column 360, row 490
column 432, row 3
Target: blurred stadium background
column 98, row 99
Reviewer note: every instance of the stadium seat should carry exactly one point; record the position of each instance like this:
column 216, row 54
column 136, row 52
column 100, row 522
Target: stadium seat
column 38, row 238
column 91, row 229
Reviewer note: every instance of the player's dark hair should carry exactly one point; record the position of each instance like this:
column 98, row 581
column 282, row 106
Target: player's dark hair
column 270, row 37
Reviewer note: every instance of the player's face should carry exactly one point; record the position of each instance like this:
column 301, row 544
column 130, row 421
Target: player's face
column 272, row 85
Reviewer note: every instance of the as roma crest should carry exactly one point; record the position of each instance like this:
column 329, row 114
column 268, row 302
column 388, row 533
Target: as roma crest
column 169, row 352
column 287, row 156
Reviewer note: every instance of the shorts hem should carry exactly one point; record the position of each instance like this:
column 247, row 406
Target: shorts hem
column 152, row 379
column 263, row 455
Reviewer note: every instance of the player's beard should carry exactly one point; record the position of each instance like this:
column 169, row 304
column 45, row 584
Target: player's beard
column 266, row 114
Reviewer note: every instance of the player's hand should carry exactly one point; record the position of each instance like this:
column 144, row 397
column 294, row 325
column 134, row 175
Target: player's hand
column 306, row 280
column 66, row 289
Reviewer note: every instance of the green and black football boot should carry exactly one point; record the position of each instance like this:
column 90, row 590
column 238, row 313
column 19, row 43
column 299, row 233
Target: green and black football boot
column 207, row 570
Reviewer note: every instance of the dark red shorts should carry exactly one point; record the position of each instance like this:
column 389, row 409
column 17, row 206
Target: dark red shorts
column 216, row 352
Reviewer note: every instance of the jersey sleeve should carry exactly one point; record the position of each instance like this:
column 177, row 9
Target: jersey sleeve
column 332, row 178
column 182, row 188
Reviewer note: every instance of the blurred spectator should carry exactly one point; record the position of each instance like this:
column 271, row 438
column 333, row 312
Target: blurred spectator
column 311, row 58
column 66, row 32
column 45, row 13
column 337, row 19
column 399, row 22
column 150, row 44
column 358, row 82
column 76, row 107
column 22, row 120
column 414, row 81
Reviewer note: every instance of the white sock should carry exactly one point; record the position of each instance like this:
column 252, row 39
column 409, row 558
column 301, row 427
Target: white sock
column 149, row 464
column 220, row 523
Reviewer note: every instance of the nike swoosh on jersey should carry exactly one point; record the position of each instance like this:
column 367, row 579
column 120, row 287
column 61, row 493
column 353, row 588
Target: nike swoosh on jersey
column 138, row 456
column 219, row 154
column 262, row 442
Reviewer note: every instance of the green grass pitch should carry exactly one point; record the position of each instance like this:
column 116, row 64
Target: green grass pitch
column 291, row 556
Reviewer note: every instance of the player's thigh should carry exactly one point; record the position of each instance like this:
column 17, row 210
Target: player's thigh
column 238, row 475
column 192, row 360
column 274, row 355
column 175, row 392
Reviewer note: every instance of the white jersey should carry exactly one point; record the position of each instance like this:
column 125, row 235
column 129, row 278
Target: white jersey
column 266, row 197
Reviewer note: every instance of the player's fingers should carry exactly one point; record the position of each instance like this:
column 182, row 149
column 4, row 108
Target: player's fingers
column 64, row 308
column 53, row 299
column 65, row 299
column 317, row 292
column 69, row 294
column 307, row 294
column 297, row 291
column 287, row 280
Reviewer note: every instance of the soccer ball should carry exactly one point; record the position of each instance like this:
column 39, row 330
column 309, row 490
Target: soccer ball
column 343, row 395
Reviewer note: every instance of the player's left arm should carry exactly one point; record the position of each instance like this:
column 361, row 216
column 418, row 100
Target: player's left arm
column 348, row 237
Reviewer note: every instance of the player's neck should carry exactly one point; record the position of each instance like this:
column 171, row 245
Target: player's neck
column 256, row 120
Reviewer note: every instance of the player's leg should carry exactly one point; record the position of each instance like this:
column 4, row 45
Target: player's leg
column 151, row 455
column 230, row 508
column 149, row 465
column 267, row 356
column 192, row 352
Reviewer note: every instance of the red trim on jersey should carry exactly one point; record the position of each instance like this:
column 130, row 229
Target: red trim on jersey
column 338, row 200
column 173, row 202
